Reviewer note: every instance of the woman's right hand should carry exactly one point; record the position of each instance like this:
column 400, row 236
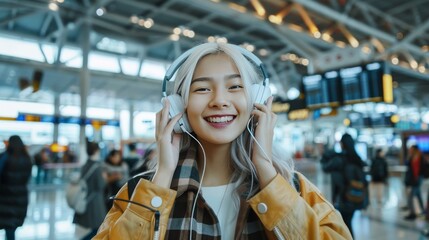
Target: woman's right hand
column 168, row 144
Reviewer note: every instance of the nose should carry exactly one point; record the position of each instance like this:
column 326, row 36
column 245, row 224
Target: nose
column 220, row 99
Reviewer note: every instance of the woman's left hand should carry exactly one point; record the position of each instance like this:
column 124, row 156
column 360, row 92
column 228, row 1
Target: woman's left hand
column 264, row 133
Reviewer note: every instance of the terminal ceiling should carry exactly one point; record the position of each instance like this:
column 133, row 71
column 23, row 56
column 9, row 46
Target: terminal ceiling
column 289, row 36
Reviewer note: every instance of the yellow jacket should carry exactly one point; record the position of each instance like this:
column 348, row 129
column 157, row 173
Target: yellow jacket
column 283, row 212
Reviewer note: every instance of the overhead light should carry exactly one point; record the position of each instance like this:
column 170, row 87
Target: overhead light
column 184, row 31
column 134, row 19
column 327, row 37
column 260, row 10
column 148, row 23
column 414, row 64
column 275, row 19
column 263, row 52
column 211, row 39
column 292, row 93
column 395, row 60
column 305, row 62
column 53, row 6
column 174, row 37
column 100, row 12
column 177, row 30
column 366, row 49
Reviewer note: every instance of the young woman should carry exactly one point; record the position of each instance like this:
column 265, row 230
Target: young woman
column 15, row 173
column 247, row 193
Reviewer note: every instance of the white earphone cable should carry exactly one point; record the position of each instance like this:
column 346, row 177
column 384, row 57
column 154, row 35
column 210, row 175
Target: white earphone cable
column 256, row 141
column 201, row 181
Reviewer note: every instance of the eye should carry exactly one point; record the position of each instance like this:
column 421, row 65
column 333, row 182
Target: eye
column 202, row 89
column 236, row 87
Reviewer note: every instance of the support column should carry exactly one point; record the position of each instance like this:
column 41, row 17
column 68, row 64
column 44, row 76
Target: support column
column 131, row 121
column 84, row 88
column 56, row 114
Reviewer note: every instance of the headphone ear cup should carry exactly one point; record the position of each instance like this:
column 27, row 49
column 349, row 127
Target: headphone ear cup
column 176, row 107
column 259, row 93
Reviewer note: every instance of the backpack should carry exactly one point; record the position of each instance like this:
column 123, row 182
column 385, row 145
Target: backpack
column 377, row 170
column 77, row 191
column 356, row 192
column 424, row 167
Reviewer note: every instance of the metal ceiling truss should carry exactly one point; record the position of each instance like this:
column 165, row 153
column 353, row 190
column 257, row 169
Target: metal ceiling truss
column 355, row 21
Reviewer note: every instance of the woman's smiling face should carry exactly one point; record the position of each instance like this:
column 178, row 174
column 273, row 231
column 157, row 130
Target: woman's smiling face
column 217, row 108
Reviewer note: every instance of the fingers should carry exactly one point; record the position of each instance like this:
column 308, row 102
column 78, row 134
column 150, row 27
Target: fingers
column 263, row 111
column 163, row 122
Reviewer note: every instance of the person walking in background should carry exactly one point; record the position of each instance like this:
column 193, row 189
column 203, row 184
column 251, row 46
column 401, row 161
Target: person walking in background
column 336, row 174
column 132, row 157
column 350, row 165
column 117, row 174
column 379, row 174
column 96, row 182
column 40, row 159
column 414, row 179
column 15, row 173
column 148, row 162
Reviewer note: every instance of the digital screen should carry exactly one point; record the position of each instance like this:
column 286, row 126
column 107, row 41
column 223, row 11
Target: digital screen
column 371, row 81
column 322, row 90
column 422, row 141
column 332, row 80
column 351, row 84
column 316, row 92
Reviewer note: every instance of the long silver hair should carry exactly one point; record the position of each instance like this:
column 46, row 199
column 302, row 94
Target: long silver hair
column 244, row 172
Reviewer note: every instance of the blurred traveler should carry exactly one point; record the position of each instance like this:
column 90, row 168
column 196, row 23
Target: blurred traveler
column 41, row 158
column 379, row 174
column 148, row 163
column 133, row 157
column 414, row 179
column 96, row 209
column 15, row 174
column 117, row 174
column 350, row 165
column 329, row 166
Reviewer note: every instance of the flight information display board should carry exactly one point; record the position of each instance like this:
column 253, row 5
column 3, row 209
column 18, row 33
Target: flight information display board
column 362, row 83
column 351, row 84
column 322, row 90
column 370, row 82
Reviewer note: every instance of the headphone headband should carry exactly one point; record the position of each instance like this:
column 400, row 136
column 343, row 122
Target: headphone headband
column 182, row 58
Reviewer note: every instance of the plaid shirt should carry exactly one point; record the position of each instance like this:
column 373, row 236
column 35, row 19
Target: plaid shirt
column 205, row 223
column 295, row 216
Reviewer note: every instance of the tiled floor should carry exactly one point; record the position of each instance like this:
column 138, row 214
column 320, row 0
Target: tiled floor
column 49, row 217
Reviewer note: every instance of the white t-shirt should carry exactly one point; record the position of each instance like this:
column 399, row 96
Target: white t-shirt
column 221, row 200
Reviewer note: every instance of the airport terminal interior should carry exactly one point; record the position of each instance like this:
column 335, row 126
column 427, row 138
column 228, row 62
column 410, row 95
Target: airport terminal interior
column 74, row 71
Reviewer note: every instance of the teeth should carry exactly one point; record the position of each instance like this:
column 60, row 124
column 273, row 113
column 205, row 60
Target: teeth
column 220, row 119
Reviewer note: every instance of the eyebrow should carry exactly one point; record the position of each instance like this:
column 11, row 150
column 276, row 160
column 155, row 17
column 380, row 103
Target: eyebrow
column 227, row 77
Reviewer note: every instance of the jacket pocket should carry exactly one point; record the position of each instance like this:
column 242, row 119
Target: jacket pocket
column 131, row 226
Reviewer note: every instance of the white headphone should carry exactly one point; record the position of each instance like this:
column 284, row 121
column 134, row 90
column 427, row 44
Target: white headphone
column 259, row 92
